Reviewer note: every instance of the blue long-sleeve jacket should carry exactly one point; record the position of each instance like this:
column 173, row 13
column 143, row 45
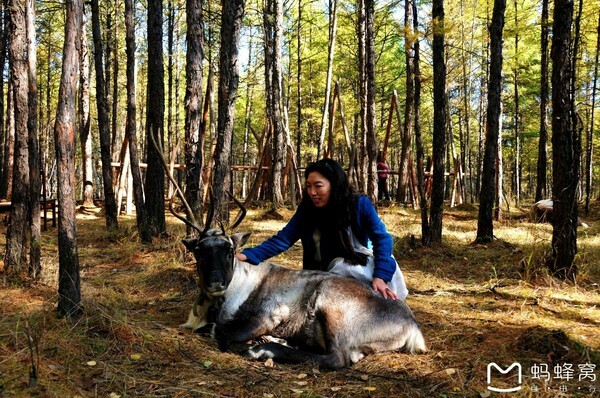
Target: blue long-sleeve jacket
column 368, row 229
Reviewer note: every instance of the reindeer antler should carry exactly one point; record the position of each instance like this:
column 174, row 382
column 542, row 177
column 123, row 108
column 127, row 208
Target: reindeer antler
column 191, row 220
column 242, row 212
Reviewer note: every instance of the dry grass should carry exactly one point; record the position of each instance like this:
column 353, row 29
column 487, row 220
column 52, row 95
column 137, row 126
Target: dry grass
column 476, row 304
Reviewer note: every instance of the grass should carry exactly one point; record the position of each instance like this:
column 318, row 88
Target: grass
column 476, row 303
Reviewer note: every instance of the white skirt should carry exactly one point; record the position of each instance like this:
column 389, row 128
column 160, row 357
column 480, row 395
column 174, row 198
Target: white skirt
column 364, row 273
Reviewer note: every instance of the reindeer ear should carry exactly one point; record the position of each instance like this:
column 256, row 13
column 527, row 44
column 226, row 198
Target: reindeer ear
column 240, row 238
column 190, row 244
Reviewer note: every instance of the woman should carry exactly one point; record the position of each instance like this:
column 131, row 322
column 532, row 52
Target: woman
column 335, row 225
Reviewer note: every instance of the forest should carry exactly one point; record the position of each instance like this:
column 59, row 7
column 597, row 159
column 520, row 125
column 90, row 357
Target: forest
column 117, row 117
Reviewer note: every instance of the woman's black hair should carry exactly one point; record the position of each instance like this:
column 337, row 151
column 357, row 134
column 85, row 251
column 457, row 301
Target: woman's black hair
column 342, row 200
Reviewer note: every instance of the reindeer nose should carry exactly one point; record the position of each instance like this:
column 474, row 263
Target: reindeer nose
column 216, row 287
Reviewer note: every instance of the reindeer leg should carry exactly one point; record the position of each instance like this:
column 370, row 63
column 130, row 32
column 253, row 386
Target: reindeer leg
column 334, row 359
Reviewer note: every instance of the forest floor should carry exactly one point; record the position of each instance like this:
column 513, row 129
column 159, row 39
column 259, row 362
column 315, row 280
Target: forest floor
column 477, row 304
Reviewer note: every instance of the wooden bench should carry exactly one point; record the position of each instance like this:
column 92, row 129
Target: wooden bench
column 50, row 204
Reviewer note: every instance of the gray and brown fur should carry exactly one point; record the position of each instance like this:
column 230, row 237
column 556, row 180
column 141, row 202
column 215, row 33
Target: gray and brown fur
column 334, row 321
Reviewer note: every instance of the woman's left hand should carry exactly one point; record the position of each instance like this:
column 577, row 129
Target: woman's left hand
column 380, row 286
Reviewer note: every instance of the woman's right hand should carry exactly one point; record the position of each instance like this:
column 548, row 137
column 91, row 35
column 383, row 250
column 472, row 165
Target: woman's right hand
column 241, row 257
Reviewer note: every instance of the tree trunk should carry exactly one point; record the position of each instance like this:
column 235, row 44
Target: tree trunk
column 439, row 122
column 3, row 132
column 371, row 111
column 35, row 265
column 590, row 138
column 231, row 21
column 485, row 226
column 107, row 52
column 330, row 55
column 170, row 125
column 362, row 79
column 273, row 27
column 517, row 118
column 565, row 147
column 498, row 194
column 6, row 181
column 542, row 161
column 425, row 233
column 409, row 109
column 69, row 293
column 17, row 232
column 114, row 132
column 193, row 108
column 299, row 119
column 131, row 128
column 85, row 135
column 103, row 126
column 155, row 177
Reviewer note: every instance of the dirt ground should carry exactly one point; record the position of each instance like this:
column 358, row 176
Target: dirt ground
column 477, row 304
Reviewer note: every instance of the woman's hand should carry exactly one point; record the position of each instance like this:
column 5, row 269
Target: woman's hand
column 380, row 286
column 241, row 257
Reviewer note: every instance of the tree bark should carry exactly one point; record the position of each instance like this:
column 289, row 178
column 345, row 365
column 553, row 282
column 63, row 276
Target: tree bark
column 485, row 226
column 85, row 135
column 155, row 178
column 542, row 161
column 590, row 138
column 69, row 293
column 425, row 233
column 193, row 108
column 17, row 232
column 231, row 21
column 409, row 109
column 439, row 122
column 362, row 81
column 131, row 128
column 35, row 266
column 565, row 147
column 114, row 131
column 103, row 124
column 330, row 55
column 371, row 111
column 273, row 23
column 3, row 132
column 517, row 117
column 299, row 119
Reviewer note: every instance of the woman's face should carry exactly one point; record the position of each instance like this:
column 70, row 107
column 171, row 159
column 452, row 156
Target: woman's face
column 318, row 188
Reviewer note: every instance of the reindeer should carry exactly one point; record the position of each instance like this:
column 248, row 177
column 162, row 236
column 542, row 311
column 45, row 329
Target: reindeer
column 543, row 211
column 328, row 319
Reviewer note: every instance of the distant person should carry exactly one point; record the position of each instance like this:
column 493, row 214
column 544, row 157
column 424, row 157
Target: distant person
column 382, row 174
column 340, row 232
